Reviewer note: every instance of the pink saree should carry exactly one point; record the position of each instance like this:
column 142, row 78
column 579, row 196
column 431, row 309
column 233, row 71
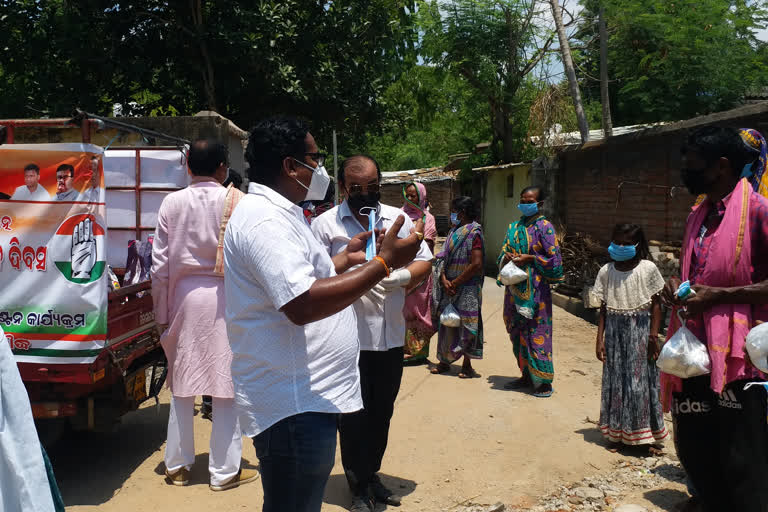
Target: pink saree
column 417, row 313
column 728, row 264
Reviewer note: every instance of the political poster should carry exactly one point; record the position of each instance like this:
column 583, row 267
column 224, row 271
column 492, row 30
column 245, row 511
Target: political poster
column 53, row 269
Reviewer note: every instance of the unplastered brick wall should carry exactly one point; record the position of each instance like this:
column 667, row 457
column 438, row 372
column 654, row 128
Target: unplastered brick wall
column 616, row 183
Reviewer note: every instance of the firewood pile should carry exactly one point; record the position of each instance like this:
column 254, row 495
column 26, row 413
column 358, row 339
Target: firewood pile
column 583, row 257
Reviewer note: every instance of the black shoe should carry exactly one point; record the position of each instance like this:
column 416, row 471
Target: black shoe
column 382, row 494
column 361, row 504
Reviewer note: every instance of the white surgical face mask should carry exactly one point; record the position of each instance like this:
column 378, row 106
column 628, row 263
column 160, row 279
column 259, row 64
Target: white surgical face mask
column 319, row 184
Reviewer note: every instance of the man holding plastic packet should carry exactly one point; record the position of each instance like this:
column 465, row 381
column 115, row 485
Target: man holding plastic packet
column 380, row 325
column 291, row 328
column 721, row 433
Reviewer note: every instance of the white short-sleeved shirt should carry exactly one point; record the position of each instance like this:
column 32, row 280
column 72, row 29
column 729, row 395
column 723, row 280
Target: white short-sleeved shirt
column 381, row 325
column 280, row 369
column 22, row 193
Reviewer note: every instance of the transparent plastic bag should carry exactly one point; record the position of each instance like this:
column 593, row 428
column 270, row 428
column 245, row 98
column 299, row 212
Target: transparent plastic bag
column 684, row 355
column 757, row 347
column 450, row 317
column 525, row 312
column 511, row 274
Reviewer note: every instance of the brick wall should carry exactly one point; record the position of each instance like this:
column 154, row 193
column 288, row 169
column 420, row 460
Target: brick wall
column 625, row 183
column 592, row 201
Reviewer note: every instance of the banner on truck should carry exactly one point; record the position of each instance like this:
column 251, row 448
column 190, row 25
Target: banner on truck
column 53, row 269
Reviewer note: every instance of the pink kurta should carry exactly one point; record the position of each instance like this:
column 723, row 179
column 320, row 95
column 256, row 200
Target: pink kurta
column 188, row 295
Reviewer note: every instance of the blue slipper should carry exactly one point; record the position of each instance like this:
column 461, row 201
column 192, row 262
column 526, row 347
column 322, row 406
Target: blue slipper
column 545, row 393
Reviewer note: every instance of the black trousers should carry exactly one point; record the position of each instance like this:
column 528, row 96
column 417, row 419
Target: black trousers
column 363, row 435
column 722, row 442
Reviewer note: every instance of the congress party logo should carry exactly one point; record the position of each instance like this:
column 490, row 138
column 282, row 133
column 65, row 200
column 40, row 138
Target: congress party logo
column 79, row 249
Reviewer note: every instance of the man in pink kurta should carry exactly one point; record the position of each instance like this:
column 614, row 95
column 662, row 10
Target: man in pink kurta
column 189, row 308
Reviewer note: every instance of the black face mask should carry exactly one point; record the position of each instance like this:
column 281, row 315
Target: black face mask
column 696, row 180
column 359, row 201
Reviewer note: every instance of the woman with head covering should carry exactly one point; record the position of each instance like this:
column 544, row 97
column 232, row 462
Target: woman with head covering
column 418, row 318
column 458, row 282
column 754, row 171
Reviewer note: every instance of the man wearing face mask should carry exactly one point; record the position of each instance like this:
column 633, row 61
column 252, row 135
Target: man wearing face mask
column 380, row 326
column 721, row 434
column 292, row 331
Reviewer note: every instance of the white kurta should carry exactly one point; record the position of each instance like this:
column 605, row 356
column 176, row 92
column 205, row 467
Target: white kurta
column 23, row 481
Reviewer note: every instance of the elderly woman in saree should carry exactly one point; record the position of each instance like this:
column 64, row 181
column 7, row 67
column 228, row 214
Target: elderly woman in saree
column 531, row 244
column 417, row 309
column 458, row 282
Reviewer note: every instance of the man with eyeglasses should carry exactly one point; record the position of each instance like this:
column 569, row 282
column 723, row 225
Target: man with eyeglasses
column 380, row 326
column 292, row 331
column 65, row 177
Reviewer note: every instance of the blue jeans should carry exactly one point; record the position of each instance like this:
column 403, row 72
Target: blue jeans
column 296, row 456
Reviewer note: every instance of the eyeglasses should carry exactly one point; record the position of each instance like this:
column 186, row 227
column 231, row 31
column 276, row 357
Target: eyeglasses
column 317, row 157
column 356, row 190
column 63, row 178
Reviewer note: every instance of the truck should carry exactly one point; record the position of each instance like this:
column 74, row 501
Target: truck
column 84, row 338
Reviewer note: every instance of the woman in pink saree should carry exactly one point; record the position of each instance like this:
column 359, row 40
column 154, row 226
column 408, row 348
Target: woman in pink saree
column 418, row 318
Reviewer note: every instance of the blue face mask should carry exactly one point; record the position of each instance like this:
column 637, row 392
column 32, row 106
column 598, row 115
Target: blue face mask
column 622, row 252
column 529, row 209
column 746, row 172
column 455, row 219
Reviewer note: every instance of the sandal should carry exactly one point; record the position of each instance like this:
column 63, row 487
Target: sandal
column 468, row 373
column 440, row 368
column 543, row 391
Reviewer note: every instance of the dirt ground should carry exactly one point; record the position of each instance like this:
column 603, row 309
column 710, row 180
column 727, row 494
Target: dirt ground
column 452, row 441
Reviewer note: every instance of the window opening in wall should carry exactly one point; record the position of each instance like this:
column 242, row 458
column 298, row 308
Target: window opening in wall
column 511, row 185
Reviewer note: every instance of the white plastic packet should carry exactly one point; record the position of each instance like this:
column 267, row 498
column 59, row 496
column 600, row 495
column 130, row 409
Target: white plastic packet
column 757, row 346
column 450, row 317
column 525, row 311
column 511, row 274
column 684, row 355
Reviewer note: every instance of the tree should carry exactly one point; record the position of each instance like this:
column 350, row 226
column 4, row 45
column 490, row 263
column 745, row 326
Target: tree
column 573, row 84
column 493, row 46
column 429, row 115
column 605, row 98
column 327, row 61
column 675, row 60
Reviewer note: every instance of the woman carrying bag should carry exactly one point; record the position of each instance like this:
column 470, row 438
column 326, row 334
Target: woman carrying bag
column 458, row 282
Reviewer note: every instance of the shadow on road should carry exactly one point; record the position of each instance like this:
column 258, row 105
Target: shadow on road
column 498, row 382
column 592, row 435
column 90, row 467
column 337, row 491
column 666, row 499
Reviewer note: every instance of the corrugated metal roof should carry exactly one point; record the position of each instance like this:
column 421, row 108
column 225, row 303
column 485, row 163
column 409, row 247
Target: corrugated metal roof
column 423, row 175
column 574, row 138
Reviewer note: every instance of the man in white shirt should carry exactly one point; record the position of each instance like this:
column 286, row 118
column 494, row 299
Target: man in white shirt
column 290, row 325
column 380, row 326
column 31, row 190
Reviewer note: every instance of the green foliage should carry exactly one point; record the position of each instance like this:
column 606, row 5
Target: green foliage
column 493, row 45
column 675, row 60
column 326, row 61
column 430, row 115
